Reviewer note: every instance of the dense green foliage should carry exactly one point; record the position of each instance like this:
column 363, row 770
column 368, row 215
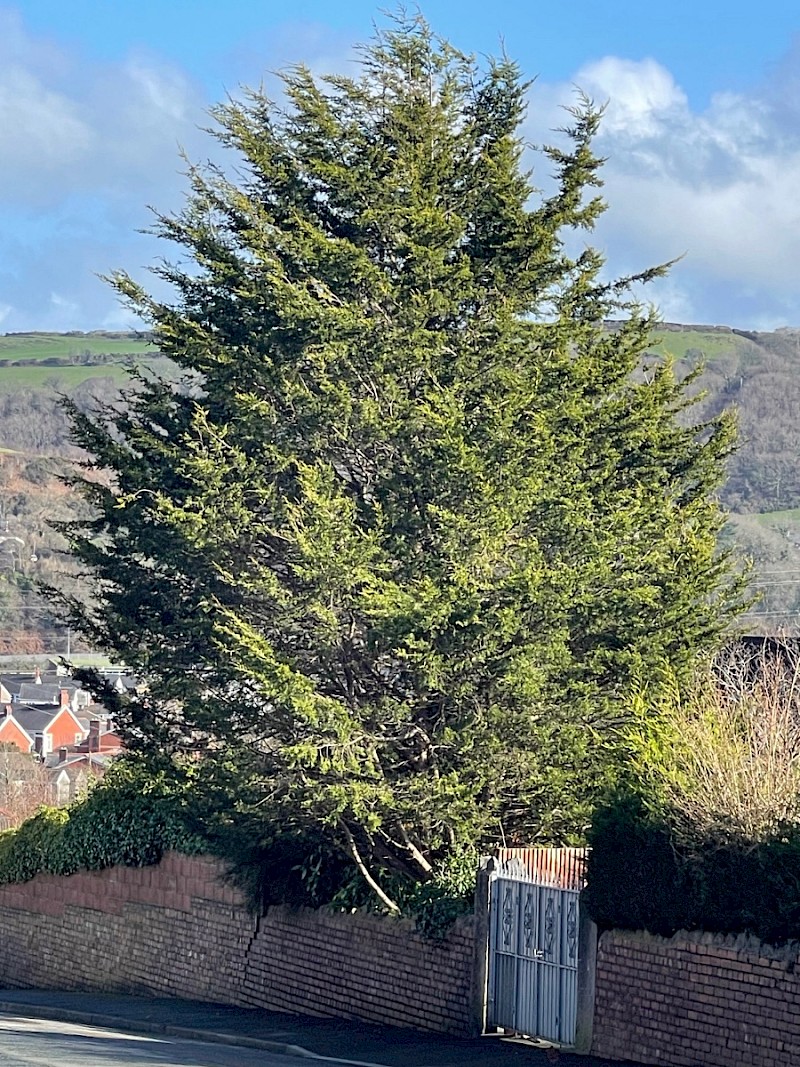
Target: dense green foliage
column 756, row 373
column 132, row 818
column 642, row 876
column 392, row 553
column 129, row 819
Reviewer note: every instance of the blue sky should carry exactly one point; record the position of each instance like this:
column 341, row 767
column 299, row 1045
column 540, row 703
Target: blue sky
column 702, row 132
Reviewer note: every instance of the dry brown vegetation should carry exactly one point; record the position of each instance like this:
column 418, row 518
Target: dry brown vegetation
column 725, row 762
column 25, row 786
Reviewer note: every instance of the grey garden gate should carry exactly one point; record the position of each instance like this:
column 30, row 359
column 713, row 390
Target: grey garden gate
column 533, row 942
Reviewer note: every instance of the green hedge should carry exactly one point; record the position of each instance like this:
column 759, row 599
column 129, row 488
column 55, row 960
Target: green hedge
column 127, row 819
column 134, row 816
column 640, row 877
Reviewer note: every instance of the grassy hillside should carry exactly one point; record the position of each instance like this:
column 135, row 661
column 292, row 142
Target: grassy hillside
column 757, row 375
column 69, row 346
column 59, row 363
column 57, row 379
column 696, row 343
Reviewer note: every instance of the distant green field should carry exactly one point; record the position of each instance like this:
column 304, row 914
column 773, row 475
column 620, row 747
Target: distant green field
column 767, row 518
column 678, row 342
column 67, row 378
column 65, row 346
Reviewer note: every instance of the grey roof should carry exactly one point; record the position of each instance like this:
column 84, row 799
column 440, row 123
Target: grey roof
column 61, row 681
column 12, row 682
column 32, row 720
column 125, row 683
column 78, row 762
column 35, row 693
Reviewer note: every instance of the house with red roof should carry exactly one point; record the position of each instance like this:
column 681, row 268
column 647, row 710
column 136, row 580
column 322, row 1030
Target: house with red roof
column 12, row 733
column 99, row 741
column 40, row 729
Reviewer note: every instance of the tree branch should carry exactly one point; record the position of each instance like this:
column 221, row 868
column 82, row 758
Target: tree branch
column 415, row 852
column 356, row 855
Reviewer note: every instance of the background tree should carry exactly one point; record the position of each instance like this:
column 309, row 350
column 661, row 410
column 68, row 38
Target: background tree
column 391, row 553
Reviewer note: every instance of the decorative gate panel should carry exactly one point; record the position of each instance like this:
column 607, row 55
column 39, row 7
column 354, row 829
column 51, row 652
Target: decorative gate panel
column 533, row 955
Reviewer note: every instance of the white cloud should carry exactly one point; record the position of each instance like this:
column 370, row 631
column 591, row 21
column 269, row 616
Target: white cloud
column 62, row 303
column 41, row 131
column 84, row 147
column 162, row 93
column 718, row 186
column 641, row 97
column 111, row 127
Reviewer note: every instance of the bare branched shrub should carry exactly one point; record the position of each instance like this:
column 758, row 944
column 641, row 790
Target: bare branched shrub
column 724, row 762
column 25, row 787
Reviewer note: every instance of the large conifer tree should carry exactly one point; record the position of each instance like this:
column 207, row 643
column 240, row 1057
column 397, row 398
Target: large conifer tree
column 392, row 552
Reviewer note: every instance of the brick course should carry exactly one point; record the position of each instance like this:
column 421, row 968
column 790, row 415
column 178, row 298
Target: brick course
column 178, row 930
column 697, row 1000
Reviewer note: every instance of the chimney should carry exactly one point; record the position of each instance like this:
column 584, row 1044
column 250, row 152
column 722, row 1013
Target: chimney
column 8, row 710
column 37, row 677
column 62, row 754
column 64, row 695
column 94, row 735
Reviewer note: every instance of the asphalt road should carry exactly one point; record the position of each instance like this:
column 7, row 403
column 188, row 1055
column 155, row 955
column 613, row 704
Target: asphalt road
column 28, row 1042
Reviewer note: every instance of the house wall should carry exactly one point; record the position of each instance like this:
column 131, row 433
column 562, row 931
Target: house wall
column 178, row 930
column 63, row 730
column 696, row 999
column 11, row 733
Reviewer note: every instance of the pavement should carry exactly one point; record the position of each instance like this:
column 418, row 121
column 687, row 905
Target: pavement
column 306, row 1037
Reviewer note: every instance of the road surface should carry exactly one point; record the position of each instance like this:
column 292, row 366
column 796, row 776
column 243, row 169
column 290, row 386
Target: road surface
column 40, row 1043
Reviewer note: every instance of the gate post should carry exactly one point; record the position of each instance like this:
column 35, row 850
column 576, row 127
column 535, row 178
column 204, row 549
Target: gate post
column 587, row 967
column 480, row 958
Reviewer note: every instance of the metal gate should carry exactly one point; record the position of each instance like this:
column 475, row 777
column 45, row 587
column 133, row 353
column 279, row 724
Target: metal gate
column 533, row 943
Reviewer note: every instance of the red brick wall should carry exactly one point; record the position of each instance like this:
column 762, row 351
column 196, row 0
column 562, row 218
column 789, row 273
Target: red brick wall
column 177, row 930
column 697, row 999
